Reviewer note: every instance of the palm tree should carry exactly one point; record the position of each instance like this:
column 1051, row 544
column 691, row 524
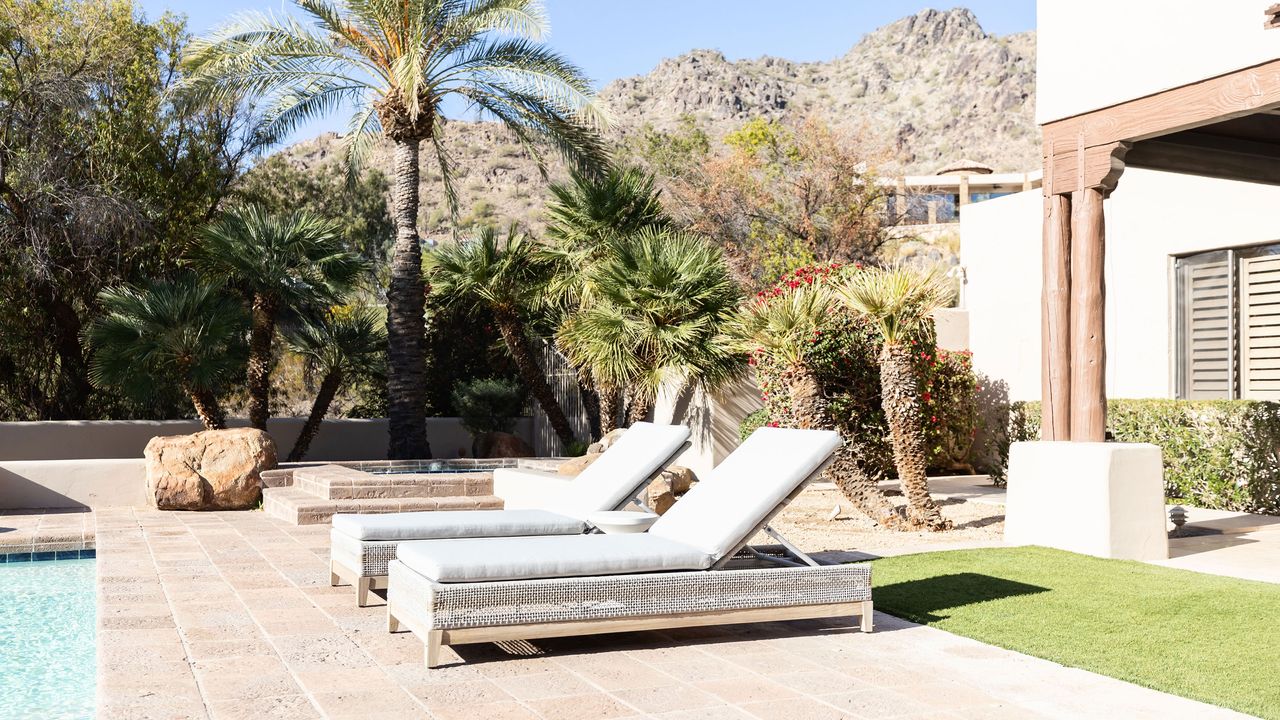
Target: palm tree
column 583, row 215
column 337, row 346
column 899, row 301
column 784, row 327
column 185, row 332
column 660, row 301
column 397, row 63
column 278, row 263
column 505, row 278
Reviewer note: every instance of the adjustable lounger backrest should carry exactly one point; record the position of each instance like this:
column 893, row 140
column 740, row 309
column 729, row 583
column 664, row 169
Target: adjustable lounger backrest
column 735, row 498
column 623, row 469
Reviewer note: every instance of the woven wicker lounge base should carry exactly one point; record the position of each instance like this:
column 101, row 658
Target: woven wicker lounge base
column 460, row 613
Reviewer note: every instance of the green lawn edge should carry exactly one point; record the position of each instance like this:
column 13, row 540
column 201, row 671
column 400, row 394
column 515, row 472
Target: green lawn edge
column 1204, row 637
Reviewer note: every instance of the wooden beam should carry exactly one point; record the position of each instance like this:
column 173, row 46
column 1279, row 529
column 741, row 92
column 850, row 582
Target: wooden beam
column 1088, row 302
column 1101, row 167
column 1055, row 319
column 1243, row 92
column 1196, row 153
column 1272, row 17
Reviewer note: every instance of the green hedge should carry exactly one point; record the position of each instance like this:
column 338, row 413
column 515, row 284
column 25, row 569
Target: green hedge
column 1222, row 454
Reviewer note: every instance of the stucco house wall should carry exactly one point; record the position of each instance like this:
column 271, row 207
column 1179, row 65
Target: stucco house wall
column 1094, row 53
column 1151, row 217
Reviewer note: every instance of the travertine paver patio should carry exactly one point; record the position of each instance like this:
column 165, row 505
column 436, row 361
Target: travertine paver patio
column 230, row 615
column 45, row 531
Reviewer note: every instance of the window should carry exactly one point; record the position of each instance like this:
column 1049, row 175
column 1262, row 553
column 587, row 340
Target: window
column 1227, row 320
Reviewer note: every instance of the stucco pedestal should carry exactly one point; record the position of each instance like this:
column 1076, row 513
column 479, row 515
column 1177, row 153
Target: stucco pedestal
column 1103, row 499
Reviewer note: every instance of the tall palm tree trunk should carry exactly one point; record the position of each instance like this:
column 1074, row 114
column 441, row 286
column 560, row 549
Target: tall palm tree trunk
column 406, row 352
column 900, row 396
column 207, row 408
column 324, row 396
column 811, row 410
column 261, row 330
column 532, row 376
column 610, row 404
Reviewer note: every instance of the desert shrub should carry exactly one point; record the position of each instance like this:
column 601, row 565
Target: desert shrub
column 753, row 422
column 1220, row 454
column 488, row 405
column 843, row 357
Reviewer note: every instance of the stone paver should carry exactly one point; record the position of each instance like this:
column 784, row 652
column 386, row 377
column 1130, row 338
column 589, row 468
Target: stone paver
column 230, row 615
column 38, row 531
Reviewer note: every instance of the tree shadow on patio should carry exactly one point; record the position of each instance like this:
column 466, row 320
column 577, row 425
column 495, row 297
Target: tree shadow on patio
column 923, row 600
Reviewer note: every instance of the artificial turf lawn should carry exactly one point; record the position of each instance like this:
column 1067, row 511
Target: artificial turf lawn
column 1200, row 636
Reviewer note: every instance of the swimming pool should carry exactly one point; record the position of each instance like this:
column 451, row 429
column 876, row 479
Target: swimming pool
column 47, row 632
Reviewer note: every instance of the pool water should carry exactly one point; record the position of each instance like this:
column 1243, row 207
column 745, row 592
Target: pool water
column 47, row 619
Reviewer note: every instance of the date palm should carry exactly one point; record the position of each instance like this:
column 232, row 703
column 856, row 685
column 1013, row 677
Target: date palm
column 785, row 326
column 185, row 332
column 899, row 301
column 397, row 62
column 336, row 347
column 582, row 216
column 505, row 278
column 659, row 302
column 278, row 263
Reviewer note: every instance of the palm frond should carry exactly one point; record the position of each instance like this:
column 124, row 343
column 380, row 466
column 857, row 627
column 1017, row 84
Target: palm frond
column 898, row 299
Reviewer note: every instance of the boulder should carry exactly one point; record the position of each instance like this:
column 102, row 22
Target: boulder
column 659, row 495
column 605, row 442
column 680, row 478
column 573, row 466
column 210, row 470
column 502, row 445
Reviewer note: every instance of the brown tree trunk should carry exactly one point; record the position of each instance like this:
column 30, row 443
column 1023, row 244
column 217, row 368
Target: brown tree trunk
column 610, row 402
column 900, row 396
column 262, row 329
column 406, row 323
column 639, row 407
column 207, row 408
column 531, row 374
column 591, row 406
column 73, row 389
column 809, row 405
column 324, row 396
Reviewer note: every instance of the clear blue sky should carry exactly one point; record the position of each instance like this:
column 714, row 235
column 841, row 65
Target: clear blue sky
column 618, row 38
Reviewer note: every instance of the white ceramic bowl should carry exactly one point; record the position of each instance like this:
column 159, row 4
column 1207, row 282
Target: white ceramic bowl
column 621, row 522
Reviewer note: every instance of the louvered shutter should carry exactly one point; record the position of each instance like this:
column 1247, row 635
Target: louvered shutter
column 1260, row 327
column 1206, row 319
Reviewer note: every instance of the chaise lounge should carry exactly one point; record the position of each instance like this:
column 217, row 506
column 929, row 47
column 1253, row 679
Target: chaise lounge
column 362, row 545
column 693, row 566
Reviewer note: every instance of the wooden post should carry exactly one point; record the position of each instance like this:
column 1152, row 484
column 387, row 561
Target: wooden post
column 1055, row 321
column 1088, row 293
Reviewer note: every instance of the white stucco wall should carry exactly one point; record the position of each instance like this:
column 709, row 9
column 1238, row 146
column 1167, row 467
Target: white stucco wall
column 1095, row 53
column 1151, row 217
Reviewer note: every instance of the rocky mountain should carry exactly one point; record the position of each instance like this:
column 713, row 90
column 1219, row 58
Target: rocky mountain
column 930, row 88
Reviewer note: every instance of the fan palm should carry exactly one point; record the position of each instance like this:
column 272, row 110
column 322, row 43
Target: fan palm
column 582, row 216
column 785, row 327
column 503, row 277
column 278, row 263
column 336, row 347
column 397, row 62
column 660, row 301
column 899, row 301
column 185, row 332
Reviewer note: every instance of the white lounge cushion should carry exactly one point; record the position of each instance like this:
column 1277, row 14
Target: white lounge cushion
column 526, row 558
column 456, row 524
column 718, row 513
column 618, row 474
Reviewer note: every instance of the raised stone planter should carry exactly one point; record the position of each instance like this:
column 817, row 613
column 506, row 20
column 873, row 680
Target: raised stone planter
column 210, row 470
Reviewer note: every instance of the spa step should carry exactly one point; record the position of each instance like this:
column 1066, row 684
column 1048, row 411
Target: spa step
column 299, row 507
column 335, row 482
